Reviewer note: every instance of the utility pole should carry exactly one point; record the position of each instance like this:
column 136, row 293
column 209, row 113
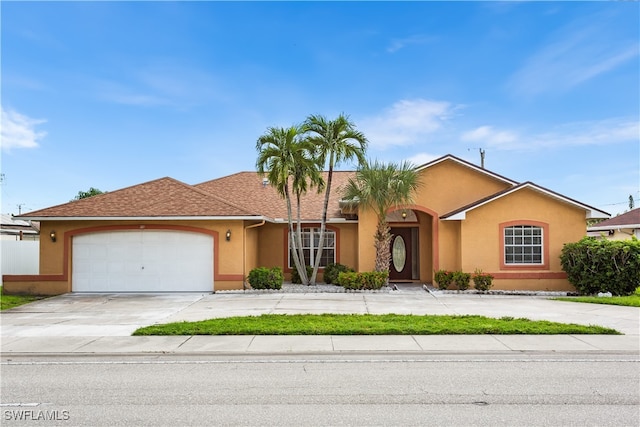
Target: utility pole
column 20, row 208
column 481, row 156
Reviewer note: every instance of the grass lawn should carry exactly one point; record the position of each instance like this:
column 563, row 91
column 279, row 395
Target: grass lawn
column 631, row 300
column 11, row 301
column 368, row 324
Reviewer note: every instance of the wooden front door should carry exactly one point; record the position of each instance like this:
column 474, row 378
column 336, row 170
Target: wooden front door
column 401, row 254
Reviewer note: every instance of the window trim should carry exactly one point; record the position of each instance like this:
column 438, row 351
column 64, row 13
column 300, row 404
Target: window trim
column 545, row 245
column 288, row 267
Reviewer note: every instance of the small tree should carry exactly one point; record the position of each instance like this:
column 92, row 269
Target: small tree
column 287, row 161
column 380, row 187
column 90, row 193
column 335, row 141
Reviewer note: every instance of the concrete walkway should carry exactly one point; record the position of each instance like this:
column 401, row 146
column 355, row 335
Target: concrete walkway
column 102, row 324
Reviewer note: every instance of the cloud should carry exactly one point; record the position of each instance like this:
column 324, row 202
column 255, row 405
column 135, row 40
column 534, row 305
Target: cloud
column 18, row 131
column 406, row 122
column 602, row 132
column 162, row 84
column 397, row 44
column 489, row 136
column 577, row 53
column 420, row 159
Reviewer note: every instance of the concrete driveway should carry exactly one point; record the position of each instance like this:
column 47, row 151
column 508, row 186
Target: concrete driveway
column 93, row 315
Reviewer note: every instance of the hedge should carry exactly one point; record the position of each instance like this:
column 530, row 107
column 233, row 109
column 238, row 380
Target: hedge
column 363, row 280
column 266, row 278
column 601, row 265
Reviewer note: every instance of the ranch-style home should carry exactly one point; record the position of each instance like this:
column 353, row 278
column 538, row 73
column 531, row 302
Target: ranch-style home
column 168, row 236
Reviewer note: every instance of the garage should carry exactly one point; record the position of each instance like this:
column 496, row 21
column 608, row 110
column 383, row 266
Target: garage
column 142, row 261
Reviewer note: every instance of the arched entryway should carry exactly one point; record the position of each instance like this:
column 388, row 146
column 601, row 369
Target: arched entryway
column 412, row 245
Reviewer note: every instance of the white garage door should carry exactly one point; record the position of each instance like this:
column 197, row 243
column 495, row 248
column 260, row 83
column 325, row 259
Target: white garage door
column 142, row 261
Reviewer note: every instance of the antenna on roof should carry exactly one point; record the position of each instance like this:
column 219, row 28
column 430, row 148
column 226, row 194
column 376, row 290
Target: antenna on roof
column 265, row 181
column 481, row 156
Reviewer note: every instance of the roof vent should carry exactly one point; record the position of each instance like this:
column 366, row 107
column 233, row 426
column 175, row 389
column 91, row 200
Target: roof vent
column 265, row 181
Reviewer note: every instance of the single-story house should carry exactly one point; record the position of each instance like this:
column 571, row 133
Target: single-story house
column 621, row 227
column 168, row 236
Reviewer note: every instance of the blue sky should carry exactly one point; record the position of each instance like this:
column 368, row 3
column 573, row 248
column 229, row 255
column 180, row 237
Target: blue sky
column 112, row 94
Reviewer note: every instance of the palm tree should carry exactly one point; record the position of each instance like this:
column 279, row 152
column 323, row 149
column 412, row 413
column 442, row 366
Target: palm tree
column 288, row 162
column 380, row 187
column 336, row 141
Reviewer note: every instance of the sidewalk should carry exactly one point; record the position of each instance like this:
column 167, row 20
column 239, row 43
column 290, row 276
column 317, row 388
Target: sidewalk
column 102, row 324
column 424, row 344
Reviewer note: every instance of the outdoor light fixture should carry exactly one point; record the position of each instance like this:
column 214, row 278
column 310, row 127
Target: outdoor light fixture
column 53, row 235
column 228, row 235
column 404, row 215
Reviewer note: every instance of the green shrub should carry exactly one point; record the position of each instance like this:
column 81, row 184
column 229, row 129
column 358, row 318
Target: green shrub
column 295, row 275
column 266, row 278
column 482, row 281
column 331, row 272
column 462, row 280
column 363, row 280
column 594, row 266
column 349, row 280
column 443, row 278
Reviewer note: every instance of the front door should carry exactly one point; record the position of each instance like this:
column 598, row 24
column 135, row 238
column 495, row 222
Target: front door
column 401, row 254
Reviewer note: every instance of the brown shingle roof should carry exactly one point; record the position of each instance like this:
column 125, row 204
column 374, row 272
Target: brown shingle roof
column 158, row 198
column 246, row 189
column 629, row 219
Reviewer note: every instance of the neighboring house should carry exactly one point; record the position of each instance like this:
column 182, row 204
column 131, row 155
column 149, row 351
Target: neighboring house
column 621, row 227
column 168, row 236
column 19, row 246
column 16, row 229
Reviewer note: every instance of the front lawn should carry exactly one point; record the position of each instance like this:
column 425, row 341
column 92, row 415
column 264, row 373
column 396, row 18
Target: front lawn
column 631, row 300
column 368, row 324
column 11, row 301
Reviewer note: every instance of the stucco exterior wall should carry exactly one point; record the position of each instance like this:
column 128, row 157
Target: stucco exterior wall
column 482, row 239
column 448, row 185
column 56, row 257
column 273, row 245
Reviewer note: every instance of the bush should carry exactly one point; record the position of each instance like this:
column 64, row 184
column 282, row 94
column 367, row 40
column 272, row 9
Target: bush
column 443, row 278
column 462, row 280
column 331, row 272
column 594, row 266
column 295, row 275
column 266, row 278
column 364, row 280
column 482, row 281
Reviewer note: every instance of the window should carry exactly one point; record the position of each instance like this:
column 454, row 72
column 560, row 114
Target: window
column 523, row 244
column 311, row 247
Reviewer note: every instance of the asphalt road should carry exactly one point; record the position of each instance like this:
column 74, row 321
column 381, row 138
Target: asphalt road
column 539, row 389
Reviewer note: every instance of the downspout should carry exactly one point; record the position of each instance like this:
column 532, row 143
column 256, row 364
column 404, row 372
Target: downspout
column 244, row 252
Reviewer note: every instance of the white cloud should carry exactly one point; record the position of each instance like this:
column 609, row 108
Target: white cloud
column 490, row 136
column 397, row 44
column 18, row 131
column 420, row 159
column 162, row 84
column 406, row 122
column 602, row 132
column 577, row 53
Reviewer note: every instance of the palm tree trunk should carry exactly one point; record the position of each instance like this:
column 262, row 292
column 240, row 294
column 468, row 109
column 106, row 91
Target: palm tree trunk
column 382, row 243
column 323, row 222
column 294, row 251
column 302, row 271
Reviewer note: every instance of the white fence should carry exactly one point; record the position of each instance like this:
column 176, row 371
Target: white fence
column 20, row 257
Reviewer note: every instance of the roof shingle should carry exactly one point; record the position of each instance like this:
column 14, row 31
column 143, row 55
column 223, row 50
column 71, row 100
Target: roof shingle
column 158, row 198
